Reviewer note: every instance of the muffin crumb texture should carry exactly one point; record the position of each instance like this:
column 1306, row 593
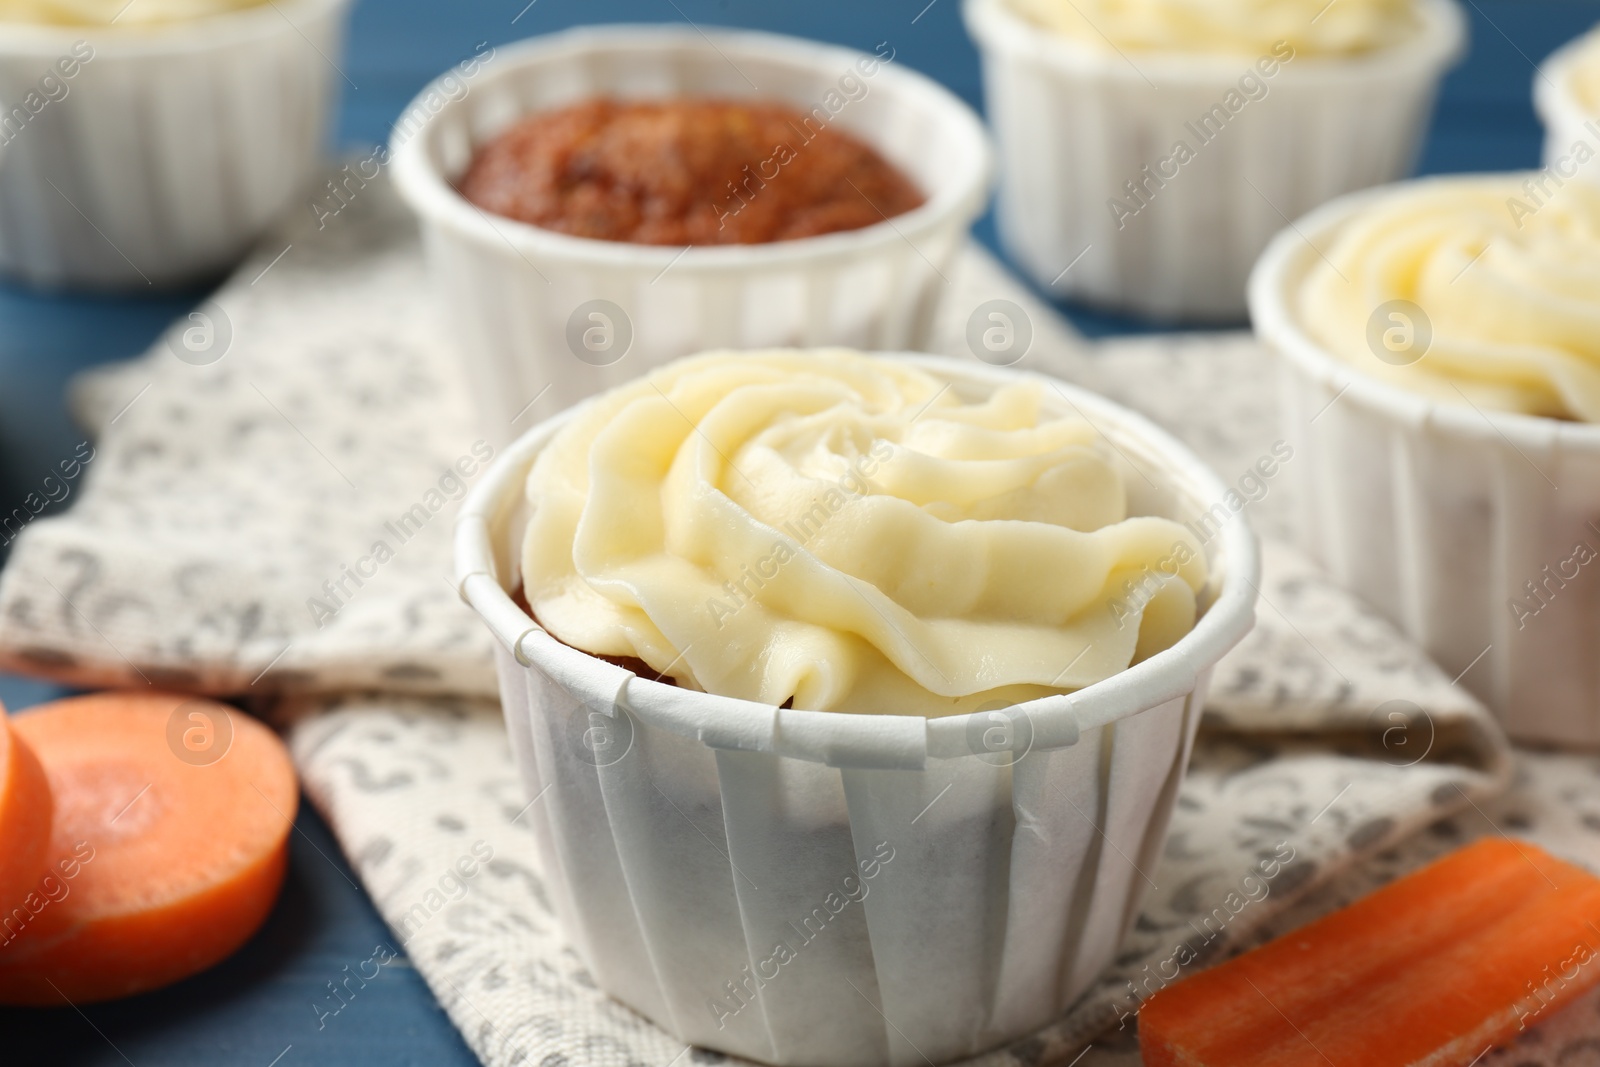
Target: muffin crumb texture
column 686, row 172
column 849, row 533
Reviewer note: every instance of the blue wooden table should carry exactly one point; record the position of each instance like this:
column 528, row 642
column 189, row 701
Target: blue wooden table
column 256, row 1010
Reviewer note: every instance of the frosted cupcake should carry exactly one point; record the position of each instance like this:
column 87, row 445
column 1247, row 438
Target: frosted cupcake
column 1566, row 92
column 1152, row 149
column 791, row 638
column 1441, row 344
column 148, row 143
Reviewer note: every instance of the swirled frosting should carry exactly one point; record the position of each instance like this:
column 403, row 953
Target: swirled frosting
column 1245, row 27
column 848, row 533
column 1586, row 73
column 1505, row 272
column 120, row 12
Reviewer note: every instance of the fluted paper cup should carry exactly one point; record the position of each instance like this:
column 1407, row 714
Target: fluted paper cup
column 1079, row 128
column 521, row 300
column 167, row 150
column 1443, row 516
column 1571, row 126
column 832, row 889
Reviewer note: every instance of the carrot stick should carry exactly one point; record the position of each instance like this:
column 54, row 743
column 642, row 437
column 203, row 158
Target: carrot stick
column 169, row 844
column 1432, row 969
column 25, row 808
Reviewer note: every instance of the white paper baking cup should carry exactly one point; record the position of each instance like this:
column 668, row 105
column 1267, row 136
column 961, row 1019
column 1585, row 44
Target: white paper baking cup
column 684, row 833
column 1075, row 124
column 1569, row 126
column 173, row 148
column 1440, row 514
column 518, row 298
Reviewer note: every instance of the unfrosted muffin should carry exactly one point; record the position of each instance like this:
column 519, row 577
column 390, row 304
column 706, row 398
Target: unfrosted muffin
column 686, row 172
column 548, row 311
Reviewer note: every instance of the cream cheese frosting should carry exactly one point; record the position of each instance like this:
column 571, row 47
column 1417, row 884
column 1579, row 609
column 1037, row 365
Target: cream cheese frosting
column 848, row 533
column 1245, row 27
column 120, row 12
column 1505, row 271
column 1586, row 73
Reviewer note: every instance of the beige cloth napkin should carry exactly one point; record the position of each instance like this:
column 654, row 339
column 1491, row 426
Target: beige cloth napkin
column 226, row 539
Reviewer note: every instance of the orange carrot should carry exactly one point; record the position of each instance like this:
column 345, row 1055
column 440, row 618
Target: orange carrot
column 1433, row 969
column 170, row 842
column 24, row 822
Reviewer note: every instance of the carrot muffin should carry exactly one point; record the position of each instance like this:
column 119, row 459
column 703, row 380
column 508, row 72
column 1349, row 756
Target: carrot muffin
column 685, row 172
column 883, row 541
column 1439, row 345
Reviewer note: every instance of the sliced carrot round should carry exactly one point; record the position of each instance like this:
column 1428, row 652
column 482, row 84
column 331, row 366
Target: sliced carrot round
column 169, row 845
column 24, row 828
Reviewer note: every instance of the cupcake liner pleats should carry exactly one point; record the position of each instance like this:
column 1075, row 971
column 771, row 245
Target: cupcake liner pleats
column 181, row 144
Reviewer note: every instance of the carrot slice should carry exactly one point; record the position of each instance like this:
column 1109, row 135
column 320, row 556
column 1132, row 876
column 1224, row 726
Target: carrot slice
column 1434, row 969
column 25, row 809
column 172, row 818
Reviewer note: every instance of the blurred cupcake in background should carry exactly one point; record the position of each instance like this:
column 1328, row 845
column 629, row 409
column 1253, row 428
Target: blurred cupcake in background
column 147, row 143
column 1566, row 92
column 1150, row 149
column 1440, row 364
column 603, row 201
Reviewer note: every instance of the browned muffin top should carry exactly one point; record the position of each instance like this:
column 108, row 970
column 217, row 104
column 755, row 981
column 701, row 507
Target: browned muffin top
column 686, row 172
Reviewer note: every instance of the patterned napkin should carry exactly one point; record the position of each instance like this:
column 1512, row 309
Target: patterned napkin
column 266, row 516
